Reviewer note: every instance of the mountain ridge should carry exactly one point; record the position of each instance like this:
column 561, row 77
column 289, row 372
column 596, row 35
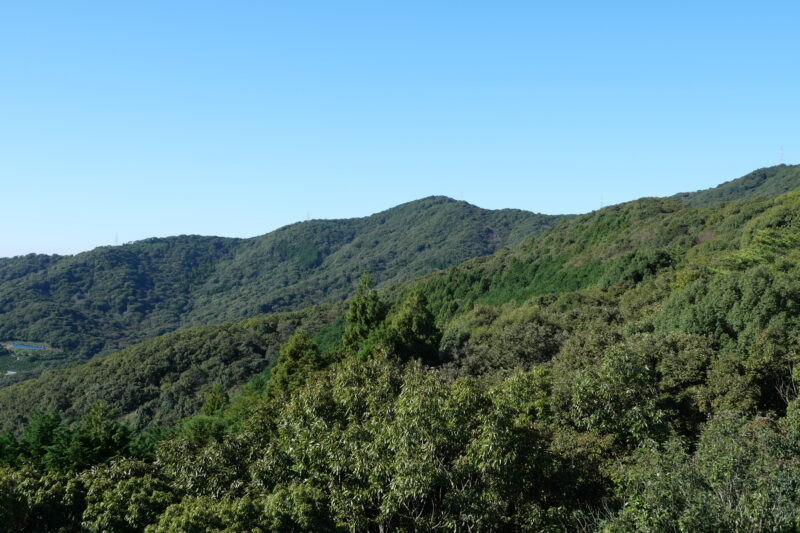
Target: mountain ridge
column 628, row 369
column 767, row 181
column 110, row 297
column 608, row 251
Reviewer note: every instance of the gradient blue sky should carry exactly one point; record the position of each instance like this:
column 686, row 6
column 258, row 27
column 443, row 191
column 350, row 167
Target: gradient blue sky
column 137, row 119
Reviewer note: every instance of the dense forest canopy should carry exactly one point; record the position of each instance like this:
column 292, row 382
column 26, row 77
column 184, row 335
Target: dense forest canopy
column 631, row 369
column 113, row 297
column 768, row 181
column 162, row 380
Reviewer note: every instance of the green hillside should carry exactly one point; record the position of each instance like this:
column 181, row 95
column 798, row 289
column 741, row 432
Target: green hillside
column 112, row 297
column 629, row 370
column 613, row 249
column 623, row 243
column 316, row 261
column 165, row 379
column 768, row 181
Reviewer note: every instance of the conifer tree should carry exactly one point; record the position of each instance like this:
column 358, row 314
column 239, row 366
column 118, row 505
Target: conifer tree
column 216, row 400
column 413, row 329
column 299, row 357
column 364, row 315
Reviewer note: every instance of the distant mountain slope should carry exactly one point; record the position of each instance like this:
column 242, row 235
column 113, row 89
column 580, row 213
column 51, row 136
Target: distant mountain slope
column 768, row 181
column 16, row 267
column 646, row 249
column 162, row 380
column 321, row 260
column 577, row 381
column 623, row 243
column 111, row 297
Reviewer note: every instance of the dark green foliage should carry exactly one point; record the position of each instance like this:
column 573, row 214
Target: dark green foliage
column 216, row 400
column 111, row 297
column 634, row 369
column 412, row 329
column 47, row 441
column 744, row 475
column 735, row 307
column 16, row 267
column 9, row 448
column 32, row 499
column 635, row 266
column 770, row 181
column 124, row 496
column 497, row 341
column 365, row 312
column 95, row 438
column 165, row 379
column 299, row 358
column 41, row 435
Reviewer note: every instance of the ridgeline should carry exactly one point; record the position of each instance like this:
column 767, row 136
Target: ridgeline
column 112, row 297
column 631, row 369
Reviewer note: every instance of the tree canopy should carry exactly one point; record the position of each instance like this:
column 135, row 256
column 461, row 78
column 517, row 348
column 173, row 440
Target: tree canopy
column 633, row 369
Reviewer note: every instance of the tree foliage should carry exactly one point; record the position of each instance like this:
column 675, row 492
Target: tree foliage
column 112, row 297
column 635, row 369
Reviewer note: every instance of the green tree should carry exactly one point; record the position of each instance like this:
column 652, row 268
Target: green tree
column 124, row 497
column 33, row 499
column 413, row 331
column 298, row 358
column 9, row 449
column 620, row 397
column 95, row 438
column 296, row 507
column 744, row 475
column 216, row 400
column 41, row 436
column 206, row 515
column 365, row 314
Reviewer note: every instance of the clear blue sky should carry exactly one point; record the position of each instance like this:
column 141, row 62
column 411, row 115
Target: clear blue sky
column 137, row 119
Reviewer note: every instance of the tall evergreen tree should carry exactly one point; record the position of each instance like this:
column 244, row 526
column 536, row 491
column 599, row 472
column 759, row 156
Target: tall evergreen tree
column 299, row 357
column 413, row 329
column 364, row 315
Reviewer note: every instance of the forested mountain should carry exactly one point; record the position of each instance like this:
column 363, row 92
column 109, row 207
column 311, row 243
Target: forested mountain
column 162, row 380
column 631, row 369
column 620, row 245
column 768, row 181
column 114, row 296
